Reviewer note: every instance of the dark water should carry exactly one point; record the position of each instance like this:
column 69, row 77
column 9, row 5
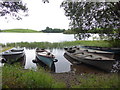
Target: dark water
column 64, row 64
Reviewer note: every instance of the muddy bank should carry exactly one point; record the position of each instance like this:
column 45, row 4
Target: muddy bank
column 68, row 78
column 86, row 80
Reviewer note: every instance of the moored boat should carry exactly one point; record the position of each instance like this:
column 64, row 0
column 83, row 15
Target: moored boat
column 115, row 55
column 45, row 57
column 13, row 55
column 108, row 49
column 94, row 59
column 115, row 51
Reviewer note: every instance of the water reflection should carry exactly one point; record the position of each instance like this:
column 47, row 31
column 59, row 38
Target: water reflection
column 62, row 65
column 30, row 55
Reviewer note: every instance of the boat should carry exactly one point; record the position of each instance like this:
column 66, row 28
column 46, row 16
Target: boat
column 109, row 49
column 45, row 57
column 93, row 51
column 13, row 55
column 88, row 57
column 78, row 67
column 116, row 51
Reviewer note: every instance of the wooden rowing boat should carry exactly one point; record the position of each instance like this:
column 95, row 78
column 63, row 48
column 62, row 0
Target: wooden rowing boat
column 92, row 51
column 115, row 51
column 45, row 57
column 109, row 49
column 98, row 59
column 13, row 55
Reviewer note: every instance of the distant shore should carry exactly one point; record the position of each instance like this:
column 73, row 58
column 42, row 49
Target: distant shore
column 20, row 31
column 32, row 31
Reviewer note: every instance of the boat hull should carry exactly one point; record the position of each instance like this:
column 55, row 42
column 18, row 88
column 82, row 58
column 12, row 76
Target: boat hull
column 46, row 60
column 106, row 65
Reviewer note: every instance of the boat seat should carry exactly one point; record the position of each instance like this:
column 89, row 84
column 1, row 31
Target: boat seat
column 42, row 53
column 45, row 54
column 92, row 56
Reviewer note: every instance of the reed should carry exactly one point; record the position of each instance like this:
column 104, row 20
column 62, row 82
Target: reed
column 100, row 43
column 14, row 76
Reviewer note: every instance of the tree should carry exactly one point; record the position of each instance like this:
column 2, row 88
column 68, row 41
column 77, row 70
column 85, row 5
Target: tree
column 55, row 30
column 13, row 8
column 86, row 16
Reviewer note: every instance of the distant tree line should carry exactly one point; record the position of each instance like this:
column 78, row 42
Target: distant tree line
column 51, row 30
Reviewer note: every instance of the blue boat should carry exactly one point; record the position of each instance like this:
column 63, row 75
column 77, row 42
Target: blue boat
column 45, row 57
column 13, row 55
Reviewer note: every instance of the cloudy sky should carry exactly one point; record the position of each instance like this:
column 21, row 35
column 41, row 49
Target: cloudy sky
column 40, row 16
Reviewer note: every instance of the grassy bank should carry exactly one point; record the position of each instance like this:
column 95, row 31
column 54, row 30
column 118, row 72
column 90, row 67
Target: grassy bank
column 20, row 31
column 15, row 76
column 66, row 44
column 98, row 81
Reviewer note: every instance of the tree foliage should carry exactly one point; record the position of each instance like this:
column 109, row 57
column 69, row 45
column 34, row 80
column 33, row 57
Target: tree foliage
column 12, row 9
column 86, row 16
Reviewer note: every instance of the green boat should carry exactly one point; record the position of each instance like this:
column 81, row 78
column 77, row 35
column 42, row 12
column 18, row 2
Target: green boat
column 12, row 55
column 45, row 57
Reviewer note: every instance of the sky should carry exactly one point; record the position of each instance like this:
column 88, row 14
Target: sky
column 41, row 15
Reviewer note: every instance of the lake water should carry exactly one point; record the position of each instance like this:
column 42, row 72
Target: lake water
column 35, row 37
column 62, row 65
column 38, row 37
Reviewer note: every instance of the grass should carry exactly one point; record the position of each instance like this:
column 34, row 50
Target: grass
column 5, row 48
column 20, row 31
column 98, row 81
column 14, row 76
column 100, row 43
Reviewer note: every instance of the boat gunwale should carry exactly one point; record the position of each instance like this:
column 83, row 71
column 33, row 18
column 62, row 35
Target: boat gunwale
column 48, row 56
column 45, row 56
